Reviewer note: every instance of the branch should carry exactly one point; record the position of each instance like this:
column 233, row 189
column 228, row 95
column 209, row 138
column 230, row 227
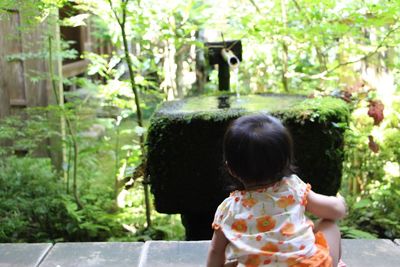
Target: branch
column 320, row 55
column 367, row 55
column 255, row 5
column 115, row 12
column 124, row 5
column 322, row 75
column 301, row 11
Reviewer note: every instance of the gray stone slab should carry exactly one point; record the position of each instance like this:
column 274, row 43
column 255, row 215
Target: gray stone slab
column 23, row 255
column 366, row 253
column 94, row 254
column 174, row 254
column 397, row 241
column 356, row 253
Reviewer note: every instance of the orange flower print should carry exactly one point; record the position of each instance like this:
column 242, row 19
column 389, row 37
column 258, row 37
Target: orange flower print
column 239, row 225
column 287, row 229
column 304, row 201
column 265, row 223
column 253, row 261
column 269, row 249
column 297, row 261
column 304, row 198
column 248, row 202
column 267, row 261
column 285, row 201
column 292, row 261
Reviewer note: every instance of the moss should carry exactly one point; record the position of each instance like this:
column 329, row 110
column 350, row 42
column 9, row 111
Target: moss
column 319, row 109
column 185, row 148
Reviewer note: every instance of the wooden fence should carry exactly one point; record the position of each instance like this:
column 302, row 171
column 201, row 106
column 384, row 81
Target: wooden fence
column 24, row 82
column 17, row 89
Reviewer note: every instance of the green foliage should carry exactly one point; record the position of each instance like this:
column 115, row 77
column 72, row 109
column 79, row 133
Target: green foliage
column 353, row 233
column 31, row 204
column 324, row 41
column 321, row 110
column 371, row 169
column 25, row 135
column 35, row 208
column 34, row 11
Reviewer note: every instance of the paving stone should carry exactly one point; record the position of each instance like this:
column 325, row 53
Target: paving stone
column 174, row 254
column 23, row 255
column 368, row 252
column 94, row 254
column 356, row 253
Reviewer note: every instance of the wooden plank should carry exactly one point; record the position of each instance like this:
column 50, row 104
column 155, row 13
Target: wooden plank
column 75, row 68
column 18, row 102
column 11, row 71
column 34, row 41
column 23, row 255
column 4, row 102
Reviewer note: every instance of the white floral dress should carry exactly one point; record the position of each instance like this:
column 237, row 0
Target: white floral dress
column 268, row 227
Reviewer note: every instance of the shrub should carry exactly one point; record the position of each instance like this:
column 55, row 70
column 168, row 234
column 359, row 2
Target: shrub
column 31, row 201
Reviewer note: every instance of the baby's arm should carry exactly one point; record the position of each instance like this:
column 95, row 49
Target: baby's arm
column 216, row 253
column 326, row 207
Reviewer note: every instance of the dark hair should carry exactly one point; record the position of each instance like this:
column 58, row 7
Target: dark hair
column 258, row 148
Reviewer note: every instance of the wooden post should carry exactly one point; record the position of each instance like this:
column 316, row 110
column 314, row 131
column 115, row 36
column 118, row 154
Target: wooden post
column 4, row 102
column 4, row 97
column 215, row 58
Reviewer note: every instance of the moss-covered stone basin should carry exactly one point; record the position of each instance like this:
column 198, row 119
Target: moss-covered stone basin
column 249, row 103
column 185, row 149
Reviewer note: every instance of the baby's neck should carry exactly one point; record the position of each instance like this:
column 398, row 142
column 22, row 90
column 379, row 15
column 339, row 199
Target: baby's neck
column 259, row 185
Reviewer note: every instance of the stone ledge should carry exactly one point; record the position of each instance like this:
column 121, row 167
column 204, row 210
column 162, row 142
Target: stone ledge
column 122, row 254
column 370, row 252
column 23, row 255
column 356, row 253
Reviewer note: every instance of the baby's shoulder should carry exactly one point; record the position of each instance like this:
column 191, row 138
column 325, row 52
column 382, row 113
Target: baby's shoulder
column 229, row 201
column 296, row 186
column 294, row 181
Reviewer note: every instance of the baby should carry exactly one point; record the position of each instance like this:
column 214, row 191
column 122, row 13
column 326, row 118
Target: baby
column 265, row 224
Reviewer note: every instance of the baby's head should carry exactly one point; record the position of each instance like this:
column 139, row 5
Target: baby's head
column 258, row 149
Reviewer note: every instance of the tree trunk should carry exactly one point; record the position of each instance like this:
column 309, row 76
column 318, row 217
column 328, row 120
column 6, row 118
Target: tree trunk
column 179, row 58
column 201, row 74
column 285, row 52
